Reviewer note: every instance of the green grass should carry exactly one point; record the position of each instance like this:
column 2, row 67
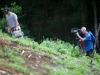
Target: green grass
column 62, row 54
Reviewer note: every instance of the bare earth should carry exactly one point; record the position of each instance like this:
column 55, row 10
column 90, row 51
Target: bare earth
column 33, row 60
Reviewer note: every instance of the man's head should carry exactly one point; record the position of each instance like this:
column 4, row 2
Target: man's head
column 7, row 10
column 83, row 29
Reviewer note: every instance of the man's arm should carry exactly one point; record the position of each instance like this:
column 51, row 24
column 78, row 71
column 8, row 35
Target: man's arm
column 82, row 39
column 16, row 22
column 8, row 27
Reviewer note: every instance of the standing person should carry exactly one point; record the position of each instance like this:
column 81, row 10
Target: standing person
column 88, row 44
column 12, row 21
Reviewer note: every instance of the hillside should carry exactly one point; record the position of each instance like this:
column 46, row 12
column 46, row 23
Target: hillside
column 24, row 56
column 31, row 59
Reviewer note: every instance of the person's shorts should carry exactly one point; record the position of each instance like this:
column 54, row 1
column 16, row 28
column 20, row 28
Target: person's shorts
column 14, row 29
column 90, row 53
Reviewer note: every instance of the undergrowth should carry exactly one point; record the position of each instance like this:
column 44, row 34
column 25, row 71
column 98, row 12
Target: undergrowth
column 66, row 59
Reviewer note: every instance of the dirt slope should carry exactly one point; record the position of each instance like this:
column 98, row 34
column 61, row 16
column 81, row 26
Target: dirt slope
column 32, row 59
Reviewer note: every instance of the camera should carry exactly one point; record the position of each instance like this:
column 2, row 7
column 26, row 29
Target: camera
column 75, row 30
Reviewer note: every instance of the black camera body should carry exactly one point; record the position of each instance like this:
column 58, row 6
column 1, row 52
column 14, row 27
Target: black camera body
column 75, row 30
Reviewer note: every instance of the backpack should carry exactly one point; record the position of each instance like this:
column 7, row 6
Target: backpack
column 92, row 36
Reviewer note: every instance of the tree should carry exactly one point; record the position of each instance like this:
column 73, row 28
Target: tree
column 97, row 28
column 84, row 4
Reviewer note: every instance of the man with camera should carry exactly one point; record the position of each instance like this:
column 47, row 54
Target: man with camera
column 88, row 44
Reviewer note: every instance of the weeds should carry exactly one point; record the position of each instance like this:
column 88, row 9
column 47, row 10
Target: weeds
column 62, row 54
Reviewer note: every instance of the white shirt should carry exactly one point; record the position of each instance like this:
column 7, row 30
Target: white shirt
column 11, row 19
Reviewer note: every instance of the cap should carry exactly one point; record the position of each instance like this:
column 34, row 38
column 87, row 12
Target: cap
column 83, row 28
column 6, row 10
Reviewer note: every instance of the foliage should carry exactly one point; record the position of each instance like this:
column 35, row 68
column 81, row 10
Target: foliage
column 62, row 55
column 14, row 8
column 68, row 63
column 2, row 23
column 15, row 61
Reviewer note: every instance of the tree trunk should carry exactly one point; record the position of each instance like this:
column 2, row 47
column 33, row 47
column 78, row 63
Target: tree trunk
column 62, row 25
column 95, row 24
column 45, row 17
column 84, row 12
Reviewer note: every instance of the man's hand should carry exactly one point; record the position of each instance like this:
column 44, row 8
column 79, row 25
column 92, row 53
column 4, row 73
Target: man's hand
column 16, row 22
column 8, row 30
column 77, row 34
column 17, row 28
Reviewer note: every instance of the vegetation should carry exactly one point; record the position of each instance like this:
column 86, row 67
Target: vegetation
column 49, row 22
column 54, row 18
column 65, row 60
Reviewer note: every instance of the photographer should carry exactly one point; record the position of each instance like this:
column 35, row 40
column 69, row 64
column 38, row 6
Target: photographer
column 88, row 45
